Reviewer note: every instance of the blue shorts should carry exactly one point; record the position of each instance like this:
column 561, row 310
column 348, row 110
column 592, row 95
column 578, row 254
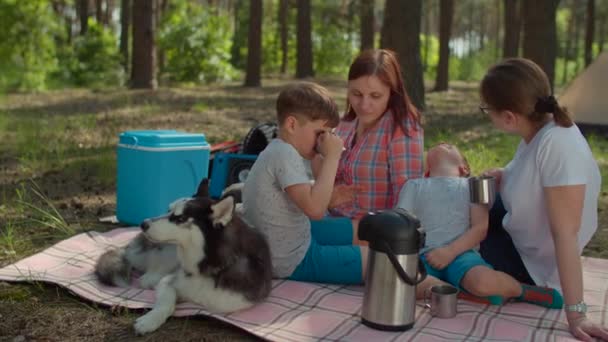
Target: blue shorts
column 331, row 258
column 455, row 271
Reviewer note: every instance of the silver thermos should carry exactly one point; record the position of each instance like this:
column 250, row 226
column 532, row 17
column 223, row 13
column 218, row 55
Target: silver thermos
column 393, row 269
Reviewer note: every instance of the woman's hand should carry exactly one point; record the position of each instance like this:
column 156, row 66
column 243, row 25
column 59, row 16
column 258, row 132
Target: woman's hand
column 496, row 173
column 584, row 329
column 343, row 194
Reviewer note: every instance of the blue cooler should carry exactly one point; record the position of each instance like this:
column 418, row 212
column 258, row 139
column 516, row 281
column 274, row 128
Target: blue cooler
column 154, row 169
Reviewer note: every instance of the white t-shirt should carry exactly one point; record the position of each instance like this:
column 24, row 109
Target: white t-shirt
column 267, row 206
column 556, row 156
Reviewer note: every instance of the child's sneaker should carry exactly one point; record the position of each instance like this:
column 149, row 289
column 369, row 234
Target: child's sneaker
column 543, row 296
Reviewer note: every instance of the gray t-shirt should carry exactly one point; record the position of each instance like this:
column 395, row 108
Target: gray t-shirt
column 442, row 206
column 267, row 207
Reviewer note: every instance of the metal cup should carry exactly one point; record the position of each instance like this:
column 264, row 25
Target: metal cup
column 443, row 300
column 482, row 190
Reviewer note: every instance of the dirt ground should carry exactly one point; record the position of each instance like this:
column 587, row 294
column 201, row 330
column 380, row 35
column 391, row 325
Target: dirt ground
column 44, row 312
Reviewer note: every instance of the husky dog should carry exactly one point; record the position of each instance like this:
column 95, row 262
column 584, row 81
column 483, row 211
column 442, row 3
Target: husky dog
column 152, row 260
column 222, row 264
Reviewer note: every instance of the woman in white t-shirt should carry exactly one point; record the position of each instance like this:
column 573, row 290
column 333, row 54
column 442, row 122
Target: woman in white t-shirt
column 549, row 190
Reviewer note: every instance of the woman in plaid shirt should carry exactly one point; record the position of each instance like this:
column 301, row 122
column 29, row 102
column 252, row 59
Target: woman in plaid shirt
column 382, row 135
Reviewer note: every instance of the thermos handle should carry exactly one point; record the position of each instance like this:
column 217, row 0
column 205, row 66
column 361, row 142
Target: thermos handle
column 420, row 276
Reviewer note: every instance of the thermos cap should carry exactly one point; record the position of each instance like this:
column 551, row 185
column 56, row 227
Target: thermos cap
column 395, row 229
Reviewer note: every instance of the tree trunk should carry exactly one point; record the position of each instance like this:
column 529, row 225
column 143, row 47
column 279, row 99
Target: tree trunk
column 283, row 33
column 61, row 10
column 107, row 18
column 99, row 11
column 144, row 47
column 568, row 47
column 367, row 24
column 540, row 36
column 304, row 63
column 482, row 25
column 254, row 49
column 512, row 18
column 497, row 26
column 577, row 35
column 428, row 6
column 602, row 35
column 83, row 15
column 125, row 25
column 161, row 8
column 470, row 29
column 446, row 14
column 241, row 9
column 589, row 32
column 401, row 33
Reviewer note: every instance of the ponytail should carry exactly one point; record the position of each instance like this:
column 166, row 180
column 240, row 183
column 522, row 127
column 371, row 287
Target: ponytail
column 562, row 117
column 548, row 104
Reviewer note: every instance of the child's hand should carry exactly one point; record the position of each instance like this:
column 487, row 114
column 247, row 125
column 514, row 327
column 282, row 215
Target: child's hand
column 343, row 194
column 440, row 257
column 496, row 173
column 329, row 144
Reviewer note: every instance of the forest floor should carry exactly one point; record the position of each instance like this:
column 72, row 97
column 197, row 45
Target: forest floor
column 58, row 177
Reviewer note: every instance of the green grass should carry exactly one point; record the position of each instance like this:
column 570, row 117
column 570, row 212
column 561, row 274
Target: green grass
column 44, row 214
column 58, row 168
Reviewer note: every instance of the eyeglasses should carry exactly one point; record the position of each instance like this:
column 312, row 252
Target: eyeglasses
column 485, row 110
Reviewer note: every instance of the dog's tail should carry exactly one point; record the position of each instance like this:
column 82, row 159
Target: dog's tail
column 113, row 269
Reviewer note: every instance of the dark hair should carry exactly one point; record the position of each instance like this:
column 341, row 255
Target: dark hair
column 383, row 64
column 307, row 100
column 519, row 85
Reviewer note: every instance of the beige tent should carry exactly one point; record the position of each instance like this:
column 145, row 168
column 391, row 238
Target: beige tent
column 587, row 96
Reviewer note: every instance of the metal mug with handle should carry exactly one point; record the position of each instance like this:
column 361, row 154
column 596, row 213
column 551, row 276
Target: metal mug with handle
column 443, row 300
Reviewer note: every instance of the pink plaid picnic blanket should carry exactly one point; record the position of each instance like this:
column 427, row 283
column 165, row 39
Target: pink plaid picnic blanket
column 297, row 311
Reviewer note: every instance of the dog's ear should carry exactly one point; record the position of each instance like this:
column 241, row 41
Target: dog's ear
column 203, row 189
column 222, row 211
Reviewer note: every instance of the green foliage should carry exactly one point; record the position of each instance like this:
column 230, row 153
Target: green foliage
column 93, row 60
column 572, row 69
column 430, row 71
column 196, row 44
column 334, row 40
column 271, row 41
column 238, row 50
column 27, row 48
column 472, row 67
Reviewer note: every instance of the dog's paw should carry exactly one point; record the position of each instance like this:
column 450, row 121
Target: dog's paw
column 147, row 323
column 149, row 280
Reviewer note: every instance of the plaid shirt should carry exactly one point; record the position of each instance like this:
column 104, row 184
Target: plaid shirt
column 380, row 161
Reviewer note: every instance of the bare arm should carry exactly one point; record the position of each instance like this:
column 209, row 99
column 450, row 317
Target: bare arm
column 473, row 236
column 315, row 165
column 443, row 256
column 565, row 209
column 314, row 199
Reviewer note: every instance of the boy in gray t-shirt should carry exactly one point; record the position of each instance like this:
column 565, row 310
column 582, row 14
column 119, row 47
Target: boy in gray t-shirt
column 455, row 227
column 280, row 200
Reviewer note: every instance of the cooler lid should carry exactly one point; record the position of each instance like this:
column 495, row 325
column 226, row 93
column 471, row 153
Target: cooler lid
column 162, row 139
